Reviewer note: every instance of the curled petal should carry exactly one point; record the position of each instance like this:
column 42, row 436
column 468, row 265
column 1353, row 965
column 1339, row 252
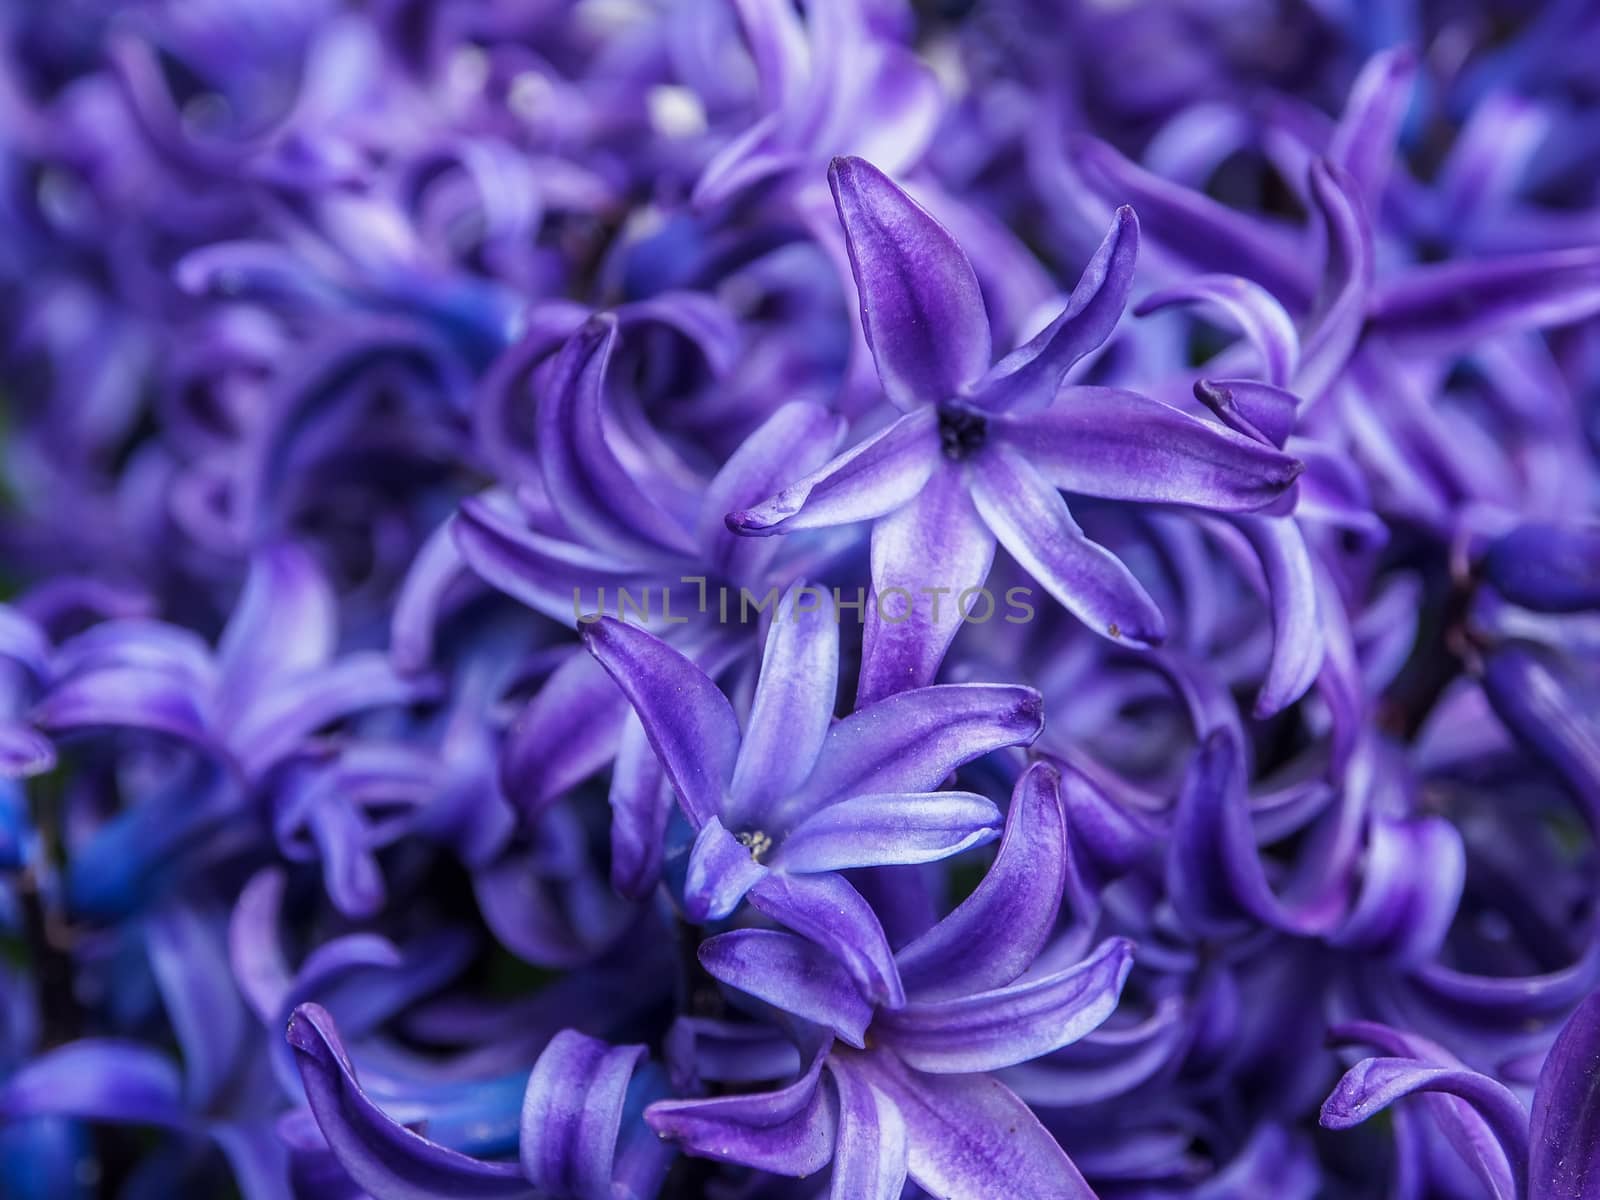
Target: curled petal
column 1297, row 645
column 1365, row 138
column 1257, row 410
column 1347, row 281
column 1014, row 1024
column 721, row 870
column 1262, row 320
column 98, row 1079
column 383, row 1157
column 828, row 911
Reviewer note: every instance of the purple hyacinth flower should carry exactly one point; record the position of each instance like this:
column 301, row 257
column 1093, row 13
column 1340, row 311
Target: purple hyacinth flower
column 908, row 1092
column 784, row 804
column 985, row 448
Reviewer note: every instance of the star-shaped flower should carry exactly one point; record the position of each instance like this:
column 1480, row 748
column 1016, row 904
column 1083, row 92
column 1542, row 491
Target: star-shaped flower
column 985, row 448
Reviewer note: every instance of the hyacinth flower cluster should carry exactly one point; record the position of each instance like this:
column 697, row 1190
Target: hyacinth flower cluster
column 710, row 599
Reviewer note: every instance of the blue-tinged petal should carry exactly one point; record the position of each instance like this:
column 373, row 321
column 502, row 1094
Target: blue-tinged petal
column 258, row 1158
column 872, row 478
column 793, row 705
column 911, row 741
column 791, row 974
column 1547, row 567
column 47, row 1158
column 831, row 913
column 723, row 866
column 1014, row 1024
column 573, row 1118
column 921, row 308
column 1257, row 410
column 190, row 965
column 1031, row 520
column 913, row 614
column 286, row 620
column 870, row 1151
column 1565, row 1129
column 1124, row 446
column 569, row 731
column 1031, row 375
column 881, row 830
column 1297, row 645
column 641, row 807
column 788, row 1132
column 996, row 932
column 596, row 496
column 419, row 602
column 1541, row 698
column 968, row 1136
column 24, row 751
column 98, row 1079
column 384, row 1158
column 1249, row 306
column 129, row 697
column 689, row 722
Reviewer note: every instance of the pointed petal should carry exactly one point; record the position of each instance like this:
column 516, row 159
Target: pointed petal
column 1257, row 410
column 1364, row 142
column 1373, row 1084
column 994, row 935
column 1029, row 377
column 1014, row 1024
column 826, row 910
column 1565, row 1129
column 1124, row 446
column 721, row 870
column 870, row 479
column 126, row 697
column 910, row 741
column 870, row 1152
column 1297, row 646
column 573, row 1115
column 969, row 1137
column 594, row 493
column 1248, row 305
column 384, row 1158
column 689, row 722
column 793, row 705
column 788, row 1132
column 1031, row 520
column 795, row 441
column 912, row 617
column 921, row 308
column 791, row 974
column 880, row 830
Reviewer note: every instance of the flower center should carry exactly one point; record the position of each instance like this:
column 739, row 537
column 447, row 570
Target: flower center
column 755, row 841
column 961, row 432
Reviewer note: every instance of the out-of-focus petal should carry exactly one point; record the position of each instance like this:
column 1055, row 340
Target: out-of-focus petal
column 1248, row 305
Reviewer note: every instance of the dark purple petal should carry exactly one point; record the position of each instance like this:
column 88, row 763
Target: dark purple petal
column 1564, row 1134
column 913, row 614
column 791, row 974
column 1031, row 520
column 689, row 722
column 569, row 731
column 995, row 933
column 1257, row 410
column 1030, row 376
column 1547, row 567
column 98, row 1079
column 384, row 1158
column 1124, row 446
column 921, row 308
